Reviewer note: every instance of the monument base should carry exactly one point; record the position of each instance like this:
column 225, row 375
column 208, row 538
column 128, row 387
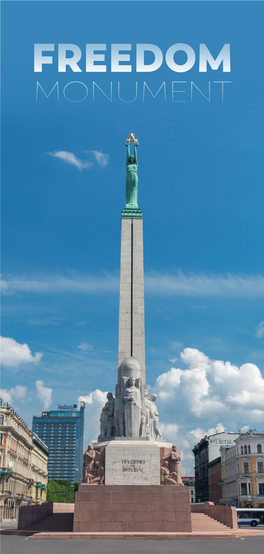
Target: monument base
column 132, row 508
column 132, row 462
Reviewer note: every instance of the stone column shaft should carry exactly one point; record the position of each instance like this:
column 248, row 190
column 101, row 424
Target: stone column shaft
column 131, row 341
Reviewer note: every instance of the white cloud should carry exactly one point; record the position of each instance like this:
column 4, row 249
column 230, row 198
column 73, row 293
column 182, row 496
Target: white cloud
column 199, row 433
column 102, row 159
column 155, row 284
column 169, row 431
column 260, row 330
column 85, row 346
column 176, row 345
column 13, row 354
column 244, row 429
column 71, row 159
column 205, row 398
column 94, row 401
column 6, row 396
column 209, row 388
column 48, row 284
column 204, row 285
column 18, row 393
column 44, row 394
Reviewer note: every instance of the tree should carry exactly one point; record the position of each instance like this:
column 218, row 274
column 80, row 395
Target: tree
column 60, row 490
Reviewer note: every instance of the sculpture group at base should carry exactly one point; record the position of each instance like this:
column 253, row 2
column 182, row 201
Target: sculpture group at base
column 131, row 413
column 170, row 471
column 94, row 467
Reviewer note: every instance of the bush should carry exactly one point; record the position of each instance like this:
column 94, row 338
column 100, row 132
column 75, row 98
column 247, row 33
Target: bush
column 60, row 490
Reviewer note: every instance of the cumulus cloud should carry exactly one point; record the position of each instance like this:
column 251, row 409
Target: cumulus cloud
column 13, row 354
column 17, row 393
column 208, row 388
column 94, row 401
column 85, row 346
column 71, row 159
column 260, row 330
column 6, row 396
column 44, row 394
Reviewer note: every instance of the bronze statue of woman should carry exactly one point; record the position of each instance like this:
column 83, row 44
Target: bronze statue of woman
column 131, row 178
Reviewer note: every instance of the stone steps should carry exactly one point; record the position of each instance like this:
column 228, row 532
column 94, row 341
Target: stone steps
column 202, row 522
column 54, row 523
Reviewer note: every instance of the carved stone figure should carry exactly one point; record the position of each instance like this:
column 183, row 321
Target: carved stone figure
column 89, row 460
column 118, row 413
column 167, row 478
column 173, row 460
column 107, row 418
column 97, row 477
column 131, row 178
column 144, row 428
column 132, row 411
column 154, row 429
column 103, row 423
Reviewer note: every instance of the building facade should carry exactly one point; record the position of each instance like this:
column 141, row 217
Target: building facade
column 205, row 451
column 23, row 463
column 189, row 482
column 214, row 480
column 63, row 432
column 243, row 471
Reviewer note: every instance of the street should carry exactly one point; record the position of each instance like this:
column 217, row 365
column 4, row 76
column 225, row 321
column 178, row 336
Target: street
column 13, row 545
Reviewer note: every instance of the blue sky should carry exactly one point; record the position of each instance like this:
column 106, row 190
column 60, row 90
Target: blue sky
column 200, row 189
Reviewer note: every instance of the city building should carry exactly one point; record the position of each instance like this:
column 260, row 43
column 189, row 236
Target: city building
column 243, row 471
column 39, row 470
column 23, row 463
column 189, row 482
column 63, row 432
column 205, row 451
column 214, row 480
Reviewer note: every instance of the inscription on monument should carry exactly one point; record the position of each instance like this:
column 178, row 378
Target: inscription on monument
column 133, row 466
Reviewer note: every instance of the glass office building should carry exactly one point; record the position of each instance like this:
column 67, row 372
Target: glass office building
column 62, row 430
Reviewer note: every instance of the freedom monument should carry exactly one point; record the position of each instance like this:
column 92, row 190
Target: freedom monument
column 131, row 476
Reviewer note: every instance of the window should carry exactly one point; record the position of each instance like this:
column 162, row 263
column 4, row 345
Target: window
column 242, row 450
column 244, row 488
column 261, row 488
column 1, row 438
column 1, row 420
column 248, row 449
column 259, row 449
column 260, row 467
column 245, row 450
column 246, row 467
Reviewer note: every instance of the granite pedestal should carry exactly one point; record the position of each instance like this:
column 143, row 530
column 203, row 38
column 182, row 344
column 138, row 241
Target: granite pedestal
column 132, row 508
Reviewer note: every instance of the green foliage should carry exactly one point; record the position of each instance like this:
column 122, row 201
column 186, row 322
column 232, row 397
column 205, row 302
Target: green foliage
column 60, row 490
column 76, row 486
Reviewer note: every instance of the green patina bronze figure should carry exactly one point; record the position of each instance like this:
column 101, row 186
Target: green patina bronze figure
column 131, row 178
column 131, row 209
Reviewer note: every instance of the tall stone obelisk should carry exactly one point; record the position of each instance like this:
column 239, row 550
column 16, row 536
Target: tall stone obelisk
column 131, row 476
column 131, row 340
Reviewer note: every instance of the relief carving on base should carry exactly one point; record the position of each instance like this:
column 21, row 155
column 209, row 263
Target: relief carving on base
column 93, row 466
column 170, row 467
